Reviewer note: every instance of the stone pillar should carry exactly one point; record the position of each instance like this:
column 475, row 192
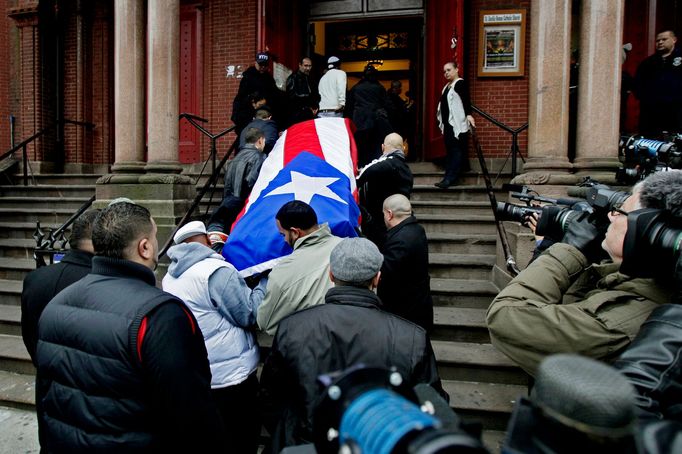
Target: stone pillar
column 161, row 189
column 129, row 70
column 550, row 28
column 598, row 124
column 163, row 95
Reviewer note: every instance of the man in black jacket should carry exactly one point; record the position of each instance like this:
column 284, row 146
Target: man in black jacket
column 256, row 79
column 404, row 287
column 383, row 177
column 42, row 284
column 122, row 365
column 349, row 329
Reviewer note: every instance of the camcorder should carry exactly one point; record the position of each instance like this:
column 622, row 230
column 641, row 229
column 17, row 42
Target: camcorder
column 641, row 157
column 652, row 243
column 555, row 217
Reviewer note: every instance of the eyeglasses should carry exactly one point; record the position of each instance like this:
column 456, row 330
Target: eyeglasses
column 615, row 211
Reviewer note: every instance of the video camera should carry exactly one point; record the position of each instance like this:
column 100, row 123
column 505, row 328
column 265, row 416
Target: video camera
column 652, row 243
column 372, row 410
column 555, row 218
column 641, row 157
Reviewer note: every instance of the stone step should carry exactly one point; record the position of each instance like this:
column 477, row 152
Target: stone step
column 459, row 324
column 465, row 293
column 10, row 319
column 456, row 243
column 43, row 191
column 464, row 192
column 461, row 266
column 17, row 247
column 23, row 229
column 488, row 403
column 62, row 178
column 13, row 355
column 10, row 292
column 462, row 225
column 17, row 390
column 14, row 268
column 476, row 362
column 44, row 215
column 451, row 207
column 72, row 203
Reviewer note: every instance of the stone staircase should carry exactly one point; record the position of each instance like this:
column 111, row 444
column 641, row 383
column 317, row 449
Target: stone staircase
column 483, row 384
column 51, row 201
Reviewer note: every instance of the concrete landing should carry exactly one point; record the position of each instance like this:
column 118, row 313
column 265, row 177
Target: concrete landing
column 19, row 433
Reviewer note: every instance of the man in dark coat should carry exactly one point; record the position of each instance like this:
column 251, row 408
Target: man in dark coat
column 366, row 106
column 263, row 121
column 405, row 282
column 301, row 91
column 349, row 329
column 122, row 365
column 383, row 177
column 256, row 79
column 41, row 285
column 658, row 86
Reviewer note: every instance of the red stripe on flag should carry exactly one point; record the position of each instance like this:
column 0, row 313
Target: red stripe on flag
column 302, row 137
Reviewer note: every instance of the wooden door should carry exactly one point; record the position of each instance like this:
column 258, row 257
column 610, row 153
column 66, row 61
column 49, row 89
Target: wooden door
column 190, row 80
column 444, row 21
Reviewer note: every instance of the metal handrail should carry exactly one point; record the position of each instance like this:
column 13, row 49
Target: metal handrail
column 23, row 144
column 514, row 151
column 509, row 258
column 210, row 182
column 45, row 242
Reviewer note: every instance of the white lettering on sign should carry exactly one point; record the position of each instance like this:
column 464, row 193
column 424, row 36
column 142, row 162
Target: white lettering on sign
column 234, row 71
column 504, row 18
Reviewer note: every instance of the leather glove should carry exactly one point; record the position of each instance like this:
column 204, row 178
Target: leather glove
column 586, row 234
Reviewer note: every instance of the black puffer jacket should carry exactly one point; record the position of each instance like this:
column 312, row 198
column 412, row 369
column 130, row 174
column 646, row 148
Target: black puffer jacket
column 350, row 328
column 100, row 390
column 653, row 364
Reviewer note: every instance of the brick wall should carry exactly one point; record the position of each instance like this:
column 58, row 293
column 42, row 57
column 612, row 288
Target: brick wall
column 5, row 109
column 229, row 39
column 504, row 98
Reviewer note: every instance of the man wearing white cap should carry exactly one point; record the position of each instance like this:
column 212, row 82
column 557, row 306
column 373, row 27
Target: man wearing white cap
column 225, row 308
column 332, row 89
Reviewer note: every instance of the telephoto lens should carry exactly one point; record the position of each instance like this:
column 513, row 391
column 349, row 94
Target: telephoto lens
column 516, row 213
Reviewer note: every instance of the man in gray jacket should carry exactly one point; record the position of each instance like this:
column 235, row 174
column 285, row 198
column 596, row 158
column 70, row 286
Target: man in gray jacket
column 300, row 279
column 225, row 309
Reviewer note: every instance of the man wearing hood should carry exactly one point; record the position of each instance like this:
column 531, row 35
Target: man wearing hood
column 225, row 309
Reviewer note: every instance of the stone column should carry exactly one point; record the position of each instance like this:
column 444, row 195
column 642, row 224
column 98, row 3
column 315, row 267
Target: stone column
column 550, row 28
column 129, row 69
column 599, row 88
column 163, row 84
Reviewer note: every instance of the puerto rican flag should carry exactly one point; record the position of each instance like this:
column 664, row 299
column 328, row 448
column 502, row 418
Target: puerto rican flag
column 315, row 162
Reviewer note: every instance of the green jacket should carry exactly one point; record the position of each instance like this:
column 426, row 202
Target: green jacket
column 561, row 303
column 299, row 280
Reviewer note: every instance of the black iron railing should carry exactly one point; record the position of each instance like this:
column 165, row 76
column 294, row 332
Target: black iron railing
column 24, row 144
column 53, row 241
column 212, row 180
column 514, row 151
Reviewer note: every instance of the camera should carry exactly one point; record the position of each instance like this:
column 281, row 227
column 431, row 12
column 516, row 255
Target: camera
column 652, row 243
column 517, row 213
column 372, row 410
column 641, row 157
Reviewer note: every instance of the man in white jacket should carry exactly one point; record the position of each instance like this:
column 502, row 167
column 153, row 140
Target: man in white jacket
column 225, row 308
column 332, row 88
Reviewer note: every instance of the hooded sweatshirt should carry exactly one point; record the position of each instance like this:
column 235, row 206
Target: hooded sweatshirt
column 224, row 306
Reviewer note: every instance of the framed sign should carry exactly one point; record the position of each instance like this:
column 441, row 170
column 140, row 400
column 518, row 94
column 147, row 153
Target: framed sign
column 502, row 39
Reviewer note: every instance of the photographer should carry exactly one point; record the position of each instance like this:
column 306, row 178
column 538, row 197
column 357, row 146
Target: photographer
column 564, row 302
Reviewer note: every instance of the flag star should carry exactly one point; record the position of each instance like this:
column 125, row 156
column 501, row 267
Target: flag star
column 305, row 187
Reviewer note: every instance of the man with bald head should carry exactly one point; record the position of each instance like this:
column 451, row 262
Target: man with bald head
column 404, row 287
column 381, row 178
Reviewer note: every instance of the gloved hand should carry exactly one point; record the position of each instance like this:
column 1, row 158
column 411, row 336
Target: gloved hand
column 586, row 234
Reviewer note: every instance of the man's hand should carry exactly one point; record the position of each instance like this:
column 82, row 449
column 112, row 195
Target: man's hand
column 586, row 235
column 472, row 122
